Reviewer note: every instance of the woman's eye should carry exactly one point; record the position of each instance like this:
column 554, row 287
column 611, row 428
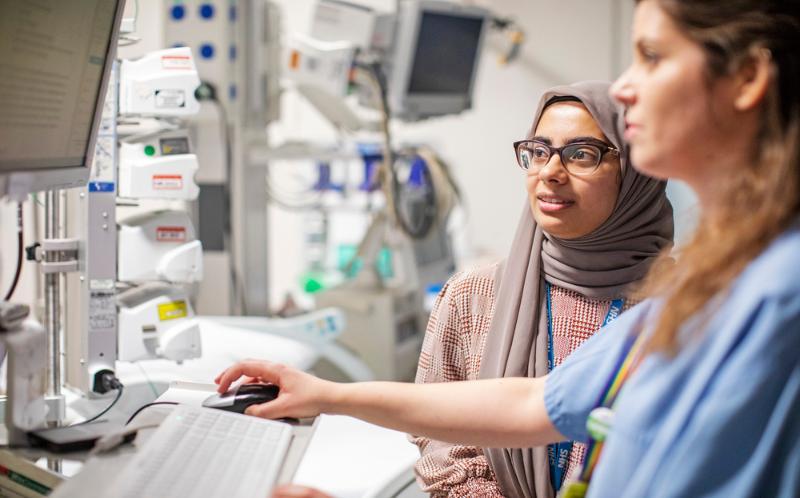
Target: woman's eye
column 540, row 152
column 584, row 155
column 649, row 56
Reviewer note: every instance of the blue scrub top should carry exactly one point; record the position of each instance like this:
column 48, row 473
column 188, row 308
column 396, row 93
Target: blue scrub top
column 719, row 419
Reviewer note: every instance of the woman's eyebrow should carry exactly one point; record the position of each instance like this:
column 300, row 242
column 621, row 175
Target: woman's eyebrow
column 588, row 139
column 572, row 140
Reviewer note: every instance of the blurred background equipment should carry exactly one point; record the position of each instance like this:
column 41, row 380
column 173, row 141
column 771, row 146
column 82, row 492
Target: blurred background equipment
column 427, row 52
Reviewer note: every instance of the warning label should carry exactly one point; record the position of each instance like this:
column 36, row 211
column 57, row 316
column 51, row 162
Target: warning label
column 171, row 234
column 167, row 182
column 102, row 310
column 172, row 310
column 176, row 62
column 170, row 98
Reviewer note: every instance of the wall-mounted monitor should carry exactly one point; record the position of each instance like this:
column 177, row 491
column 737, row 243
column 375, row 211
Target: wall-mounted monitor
column 435, row 59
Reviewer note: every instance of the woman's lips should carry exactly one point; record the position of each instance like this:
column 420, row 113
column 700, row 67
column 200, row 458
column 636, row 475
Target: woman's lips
column 553, row 203
column 631, row 130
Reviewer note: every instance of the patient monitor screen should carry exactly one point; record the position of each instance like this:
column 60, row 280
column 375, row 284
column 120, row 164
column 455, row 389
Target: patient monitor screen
column 447, row 49
column 52, row 56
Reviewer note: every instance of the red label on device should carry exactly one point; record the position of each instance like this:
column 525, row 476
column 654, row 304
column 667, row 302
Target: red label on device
column 171, row 234
column 167, row 182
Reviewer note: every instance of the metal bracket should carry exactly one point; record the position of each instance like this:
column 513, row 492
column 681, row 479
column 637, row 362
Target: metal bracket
column 59, row 256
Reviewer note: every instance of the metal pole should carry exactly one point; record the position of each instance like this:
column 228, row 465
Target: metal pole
column 52, row 296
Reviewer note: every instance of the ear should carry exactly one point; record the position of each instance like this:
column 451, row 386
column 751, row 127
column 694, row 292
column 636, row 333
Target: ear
column 753, row 79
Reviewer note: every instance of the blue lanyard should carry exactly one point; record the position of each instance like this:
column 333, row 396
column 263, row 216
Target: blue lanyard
column 558, row 454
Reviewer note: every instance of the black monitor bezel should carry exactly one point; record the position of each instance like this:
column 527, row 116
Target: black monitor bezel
column 419, row 105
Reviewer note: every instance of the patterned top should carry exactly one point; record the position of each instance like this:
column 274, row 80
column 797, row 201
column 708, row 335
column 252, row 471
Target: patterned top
column 452, row 350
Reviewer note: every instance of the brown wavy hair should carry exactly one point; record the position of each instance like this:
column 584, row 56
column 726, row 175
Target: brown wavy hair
column 761, row 201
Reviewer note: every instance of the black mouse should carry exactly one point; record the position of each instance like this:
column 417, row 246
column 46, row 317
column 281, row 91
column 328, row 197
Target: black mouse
column 239, row 398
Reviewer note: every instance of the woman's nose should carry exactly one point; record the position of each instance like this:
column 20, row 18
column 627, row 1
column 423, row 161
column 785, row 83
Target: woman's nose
column 554, row 170
column 622, row 89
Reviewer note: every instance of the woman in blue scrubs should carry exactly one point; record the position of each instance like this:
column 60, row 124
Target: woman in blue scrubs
column 696, row 391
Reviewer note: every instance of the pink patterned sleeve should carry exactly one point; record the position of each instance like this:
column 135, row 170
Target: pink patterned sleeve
column 451, row 351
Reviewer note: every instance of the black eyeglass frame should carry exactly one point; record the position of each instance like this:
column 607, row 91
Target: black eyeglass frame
column 604, row 149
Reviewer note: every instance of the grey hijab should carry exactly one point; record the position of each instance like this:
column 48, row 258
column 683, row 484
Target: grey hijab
column 599, row 265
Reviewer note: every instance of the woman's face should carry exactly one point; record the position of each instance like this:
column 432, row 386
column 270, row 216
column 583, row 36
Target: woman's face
column 678, row 123
column 564, row 205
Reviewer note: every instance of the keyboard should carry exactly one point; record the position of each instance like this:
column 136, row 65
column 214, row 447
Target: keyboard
column 209, row 453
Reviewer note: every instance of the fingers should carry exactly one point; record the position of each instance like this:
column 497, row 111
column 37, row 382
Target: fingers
column 218, row 378
column 269, row 410
column 265, row 371
column 295, row 491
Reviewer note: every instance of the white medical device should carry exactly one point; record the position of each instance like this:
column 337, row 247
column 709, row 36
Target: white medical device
column 317, row 63
column 428, row 51
column 159, row 246
column 161, row 167
column 157, row 321
column 161, row 84
column 158, row 252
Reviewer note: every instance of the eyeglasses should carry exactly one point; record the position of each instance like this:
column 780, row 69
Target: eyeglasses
column 579, row 159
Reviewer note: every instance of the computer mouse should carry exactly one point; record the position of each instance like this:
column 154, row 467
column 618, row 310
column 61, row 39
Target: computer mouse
column 239, row 398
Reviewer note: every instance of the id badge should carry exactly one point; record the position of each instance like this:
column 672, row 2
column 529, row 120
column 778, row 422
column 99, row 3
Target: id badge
column 575, row 489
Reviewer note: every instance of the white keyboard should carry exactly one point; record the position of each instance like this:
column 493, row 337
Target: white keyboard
column 208, row 453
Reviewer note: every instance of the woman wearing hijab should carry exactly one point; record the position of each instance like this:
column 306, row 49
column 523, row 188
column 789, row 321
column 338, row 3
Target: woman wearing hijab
column 589, row 232
column 695, row 391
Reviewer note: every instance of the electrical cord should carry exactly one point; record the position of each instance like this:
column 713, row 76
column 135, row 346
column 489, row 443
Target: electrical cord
column 105, row 381
column 148, row 405
column 109, row 407
column 20, row 257
column 114, row 439
column 388, row 172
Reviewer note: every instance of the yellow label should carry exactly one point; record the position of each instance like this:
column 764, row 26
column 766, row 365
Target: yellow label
column 172, row 310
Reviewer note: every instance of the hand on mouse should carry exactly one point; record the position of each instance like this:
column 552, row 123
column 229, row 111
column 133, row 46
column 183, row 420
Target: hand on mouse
column 295, row 491
column 301, row 395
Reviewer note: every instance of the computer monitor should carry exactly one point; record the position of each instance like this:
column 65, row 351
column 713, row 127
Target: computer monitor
column 435, row 58
column 55, row 60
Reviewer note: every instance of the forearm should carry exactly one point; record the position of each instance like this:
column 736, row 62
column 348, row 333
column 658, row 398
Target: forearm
column 508, row 412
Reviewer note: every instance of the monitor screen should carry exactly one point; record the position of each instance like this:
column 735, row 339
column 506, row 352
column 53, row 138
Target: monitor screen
column 53, row 54
column 445, row 55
